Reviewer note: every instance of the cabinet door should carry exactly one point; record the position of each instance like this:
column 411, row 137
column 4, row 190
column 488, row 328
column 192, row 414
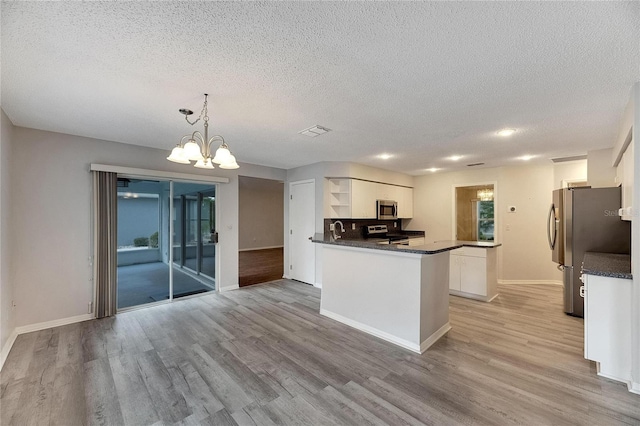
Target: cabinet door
column 454, row 272
column 473, row 275
column 363, row 199
column 627, row 181
column 405, row 203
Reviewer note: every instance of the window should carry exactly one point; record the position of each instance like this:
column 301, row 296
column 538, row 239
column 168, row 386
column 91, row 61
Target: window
column 485, row 220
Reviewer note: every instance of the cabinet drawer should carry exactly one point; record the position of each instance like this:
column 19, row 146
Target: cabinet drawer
column 470, row 251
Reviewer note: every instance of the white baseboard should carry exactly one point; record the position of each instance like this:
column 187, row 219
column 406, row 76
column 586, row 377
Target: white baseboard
column 55, row 323
column 261, row 248
column 229, row 288
column 530, row 282
column 317, row 285
column 473, row 296
column 37, row 327
column 634, row 387
column 434, row 337
column 7, row 347
column 413, row 347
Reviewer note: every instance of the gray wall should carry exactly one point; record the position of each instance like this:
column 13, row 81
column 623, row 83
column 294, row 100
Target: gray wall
column 261, row 210
column 6, row 254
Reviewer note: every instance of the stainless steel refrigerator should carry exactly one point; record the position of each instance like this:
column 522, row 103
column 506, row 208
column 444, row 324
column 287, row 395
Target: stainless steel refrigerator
column 581, row 220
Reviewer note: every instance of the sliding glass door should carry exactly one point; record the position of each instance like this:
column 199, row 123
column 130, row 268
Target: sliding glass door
column 147, row 212
column 194, row 230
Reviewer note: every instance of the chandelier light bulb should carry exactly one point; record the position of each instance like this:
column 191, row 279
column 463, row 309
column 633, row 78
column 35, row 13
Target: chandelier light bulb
column 192, row 151
column 177, row 156
column 230, row 164
column 222, row 155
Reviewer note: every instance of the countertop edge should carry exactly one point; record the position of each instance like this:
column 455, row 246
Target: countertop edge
column 609, row 265
column 433, row 248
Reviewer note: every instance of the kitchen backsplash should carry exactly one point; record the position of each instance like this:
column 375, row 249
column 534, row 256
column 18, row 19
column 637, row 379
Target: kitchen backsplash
column 360, row 224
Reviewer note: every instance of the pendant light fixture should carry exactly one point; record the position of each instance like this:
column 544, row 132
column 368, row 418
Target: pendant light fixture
column 197, row 147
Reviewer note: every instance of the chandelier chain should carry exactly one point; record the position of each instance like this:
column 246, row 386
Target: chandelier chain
column 203, row 114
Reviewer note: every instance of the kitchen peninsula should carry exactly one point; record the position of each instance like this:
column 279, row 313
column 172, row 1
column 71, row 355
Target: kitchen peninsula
column 398, row 293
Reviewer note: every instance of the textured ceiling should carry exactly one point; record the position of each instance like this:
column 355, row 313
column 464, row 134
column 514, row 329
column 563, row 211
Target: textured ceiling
column 419, row 81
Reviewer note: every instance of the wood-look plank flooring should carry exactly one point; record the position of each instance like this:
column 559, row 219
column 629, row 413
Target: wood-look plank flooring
column 262, row 355
column 260, row 266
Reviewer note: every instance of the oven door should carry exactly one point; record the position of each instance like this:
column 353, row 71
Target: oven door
column 387, row 209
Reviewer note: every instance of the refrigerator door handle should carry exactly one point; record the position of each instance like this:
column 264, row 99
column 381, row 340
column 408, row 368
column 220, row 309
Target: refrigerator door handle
column 552, row 239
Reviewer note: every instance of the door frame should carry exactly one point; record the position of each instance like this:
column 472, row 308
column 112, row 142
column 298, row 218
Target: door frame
column 289, row 239
column 496, row 210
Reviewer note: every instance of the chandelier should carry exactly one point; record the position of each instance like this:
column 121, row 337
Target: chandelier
column 485, row 194
column 196, row 147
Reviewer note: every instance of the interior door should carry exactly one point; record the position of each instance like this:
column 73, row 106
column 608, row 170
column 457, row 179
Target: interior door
column 302, row 212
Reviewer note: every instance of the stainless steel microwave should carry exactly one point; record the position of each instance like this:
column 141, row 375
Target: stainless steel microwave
column 387, row 209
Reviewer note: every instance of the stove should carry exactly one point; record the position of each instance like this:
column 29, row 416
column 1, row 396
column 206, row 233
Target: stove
column 382, row 232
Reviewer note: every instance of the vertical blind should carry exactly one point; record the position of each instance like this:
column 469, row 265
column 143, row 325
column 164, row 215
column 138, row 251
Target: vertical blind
column 105, row 208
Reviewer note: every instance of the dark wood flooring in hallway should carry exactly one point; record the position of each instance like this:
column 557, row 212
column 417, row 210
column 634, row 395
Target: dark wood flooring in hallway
column 263, row 355
column 260, row 266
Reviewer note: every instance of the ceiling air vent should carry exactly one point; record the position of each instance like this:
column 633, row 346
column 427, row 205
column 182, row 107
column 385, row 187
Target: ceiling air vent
column 314, row 131
column 475, row 164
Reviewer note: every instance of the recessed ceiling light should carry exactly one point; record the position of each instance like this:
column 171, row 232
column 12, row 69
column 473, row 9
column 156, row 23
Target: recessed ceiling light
column 506, row 132
column 455, row 157
column 526, row 157
column 385, row 156
column 432, row 169
column 314, row 131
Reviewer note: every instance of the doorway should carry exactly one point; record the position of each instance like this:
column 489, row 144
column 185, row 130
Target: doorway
column 260, row 230
column 302, row 214
column 474, row 212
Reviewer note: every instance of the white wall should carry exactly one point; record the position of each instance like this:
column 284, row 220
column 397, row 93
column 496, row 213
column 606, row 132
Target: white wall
column 7, row 322
column 51, row 217
column 261, row 209
column 600, row 172
column 524, row 255
column 570, row 171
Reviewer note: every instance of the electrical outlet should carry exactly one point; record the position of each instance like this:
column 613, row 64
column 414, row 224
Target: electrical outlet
column 353, row 226
column 331, row 227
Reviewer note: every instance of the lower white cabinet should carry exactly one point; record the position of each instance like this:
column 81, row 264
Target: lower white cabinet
column 607, row 325
column 472, row 273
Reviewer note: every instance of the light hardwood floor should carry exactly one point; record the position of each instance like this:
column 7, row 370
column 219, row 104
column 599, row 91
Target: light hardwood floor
column 263, row 355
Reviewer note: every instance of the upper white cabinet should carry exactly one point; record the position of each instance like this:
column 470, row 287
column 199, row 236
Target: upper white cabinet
column 363, row 199
column 627, row 182
column 623, row 154
column 356, row 199
column 405, row 202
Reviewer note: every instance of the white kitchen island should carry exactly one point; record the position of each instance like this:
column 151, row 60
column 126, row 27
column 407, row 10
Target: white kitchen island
column 397, row 293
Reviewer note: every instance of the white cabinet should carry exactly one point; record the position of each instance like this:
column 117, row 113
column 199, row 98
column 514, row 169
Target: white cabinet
column 356, row 199
column 363, row 199
column 405, row 202
column 627, row 166
column 607, row 325
column 472, row 273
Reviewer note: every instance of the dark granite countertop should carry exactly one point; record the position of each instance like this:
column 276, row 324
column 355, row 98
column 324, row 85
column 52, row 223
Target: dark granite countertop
column 372, row 243
column 607, row 265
